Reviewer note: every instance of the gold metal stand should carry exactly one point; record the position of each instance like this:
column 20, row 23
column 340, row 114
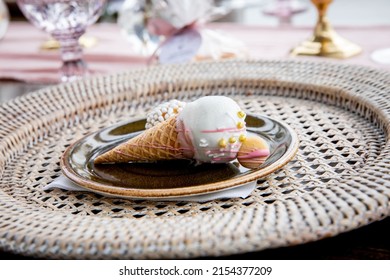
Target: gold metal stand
column 325, row 41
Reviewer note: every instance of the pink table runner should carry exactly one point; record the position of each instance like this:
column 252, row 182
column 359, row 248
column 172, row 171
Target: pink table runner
column 22, row 59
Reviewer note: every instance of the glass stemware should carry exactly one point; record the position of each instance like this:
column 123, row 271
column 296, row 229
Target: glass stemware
column 66, row 21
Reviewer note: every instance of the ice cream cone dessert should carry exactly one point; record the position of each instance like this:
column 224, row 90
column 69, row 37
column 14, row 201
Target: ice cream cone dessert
column 211, row 129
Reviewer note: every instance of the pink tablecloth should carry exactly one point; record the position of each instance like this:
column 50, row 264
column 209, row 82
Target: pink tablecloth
column 22, row 59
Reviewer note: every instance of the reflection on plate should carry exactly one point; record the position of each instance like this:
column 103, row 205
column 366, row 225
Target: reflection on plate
column 169, row 178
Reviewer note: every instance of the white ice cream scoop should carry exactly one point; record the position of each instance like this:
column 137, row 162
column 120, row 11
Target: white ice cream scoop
column 211, row 129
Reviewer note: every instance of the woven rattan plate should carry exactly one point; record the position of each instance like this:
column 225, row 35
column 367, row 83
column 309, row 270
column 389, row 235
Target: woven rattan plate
column 170, row 179
column 338, row 180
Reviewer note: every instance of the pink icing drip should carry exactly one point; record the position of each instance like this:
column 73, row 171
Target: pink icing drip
column 223, row 159
column 184, row 137
column 219, row 150
column 255, row 154
column 228, row 129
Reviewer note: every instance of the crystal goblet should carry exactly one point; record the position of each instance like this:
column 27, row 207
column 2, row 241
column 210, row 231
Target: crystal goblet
column 66, row 21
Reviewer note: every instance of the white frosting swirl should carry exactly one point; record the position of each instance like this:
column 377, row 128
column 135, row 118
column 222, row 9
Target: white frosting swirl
column 211, row 129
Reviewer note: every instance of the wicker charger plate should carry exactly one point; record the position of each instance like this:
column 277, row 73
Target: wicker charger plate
column 338, row 181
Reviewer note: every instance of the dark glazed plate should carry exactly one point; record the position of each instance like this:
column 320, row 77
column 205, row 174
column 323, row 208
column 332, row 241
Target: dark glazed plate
column 168, row 179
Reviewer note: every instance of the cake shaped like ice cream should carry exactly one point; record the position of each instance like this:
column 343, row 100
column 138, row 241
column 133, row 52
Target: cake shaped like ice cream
column 211, row 129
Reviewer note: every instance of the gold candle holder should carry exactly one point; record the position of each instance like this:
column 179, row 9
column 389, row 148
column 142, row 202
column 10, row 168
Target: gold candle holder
column 325, row 41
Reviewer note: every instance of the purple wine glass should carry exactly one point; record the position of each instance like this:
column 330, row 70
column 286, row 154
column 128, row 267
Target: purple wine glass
column 66, row 21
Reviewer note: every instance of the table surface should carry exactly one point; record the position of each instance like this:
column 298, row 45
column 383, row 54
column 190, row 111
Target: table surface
column 369, row 242
column 22, row 58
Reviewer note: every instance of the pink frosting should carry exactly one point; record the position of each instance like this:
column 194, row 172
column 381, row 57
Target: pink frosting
column 230, row 129
column 188, row 150
column 184, row 137
column 255, row 154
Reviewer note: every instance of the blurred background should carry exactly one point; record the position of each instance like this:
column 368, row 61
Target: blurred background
column 341, row 12
column 260, row 29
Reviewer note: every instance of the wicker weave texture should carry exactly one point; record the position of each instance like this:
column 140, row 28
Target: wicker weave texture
column 338, row 181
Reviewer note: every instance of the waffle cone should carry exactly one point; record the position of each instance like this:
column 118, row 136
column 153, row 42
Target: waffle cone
column 157, row 143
